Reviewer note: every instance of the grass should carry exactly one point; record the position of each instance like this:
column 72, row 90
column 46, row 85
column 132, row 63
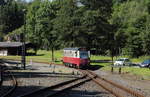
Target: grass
column 135, row 60
column 140, row 59
column 45, row 56
column 42, row 56
column 143, row 73
column 94, row 57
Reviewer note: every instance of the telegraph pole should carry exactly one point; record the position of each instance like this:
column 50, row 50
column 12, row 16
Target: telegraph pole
column 23, row 60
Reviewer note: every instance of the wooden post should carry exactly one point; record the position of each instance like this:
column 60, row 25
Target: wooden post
column 119, row 70
column 0, row 73
column 1, row 77
column 112, row 69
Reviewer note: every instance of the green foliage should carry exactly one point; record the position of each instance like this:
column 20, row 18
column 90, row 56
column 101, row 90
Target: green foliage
column 110, row 27
column 66, row 22
column 85, row 25
column 131, row 20
column 31, row 21
column 40, row 25
column 142, row 73
column 11, row 16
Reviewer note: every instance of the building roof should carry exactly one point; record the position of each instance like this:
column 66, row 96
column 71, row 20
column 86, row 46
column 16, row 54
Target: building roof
column 10, row 44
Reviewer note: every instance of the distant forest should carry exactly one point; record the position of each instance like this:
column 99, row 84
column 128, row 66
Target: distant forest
column 108, row 27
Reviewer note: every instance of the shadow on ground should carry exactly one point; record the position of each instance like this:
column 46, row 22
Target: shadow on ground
column 35, row 54
column 21, row 90
column 101, row 61
column 41, row 75
column 94, row 67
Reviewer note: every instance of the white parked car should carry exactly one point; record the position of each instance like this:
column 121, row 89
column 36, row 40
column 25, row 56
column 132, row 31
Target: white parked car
column 123, row 62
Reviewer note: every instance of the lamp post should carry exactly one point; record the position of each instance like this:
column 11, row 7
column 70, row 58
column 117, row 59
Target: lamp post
column 23, row 60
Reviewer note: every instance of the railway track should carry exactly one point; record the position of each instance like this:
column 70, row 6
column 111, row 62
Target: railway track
column 114, row 88
column 57, row 89
column 1, row 75
column 6, row 91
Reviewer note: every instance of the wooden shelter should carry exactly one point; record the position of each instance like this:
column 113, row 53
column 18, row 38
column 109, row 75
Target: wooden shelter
column 14, row 48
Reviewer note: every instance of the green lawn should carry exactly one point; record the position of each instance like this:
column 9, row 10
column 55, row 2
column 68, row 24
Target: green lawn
column 42, row 56
column 143, row 73
column 93, row 57
column 45, row 56
column 134, row 60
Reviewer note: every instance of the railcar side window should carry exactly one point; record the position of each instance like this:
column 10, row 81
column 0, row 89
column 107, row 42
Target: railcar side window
column 75, row 54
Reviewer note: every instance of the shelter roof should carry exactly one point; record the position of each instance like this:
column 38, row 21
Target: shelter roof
column 11, row 44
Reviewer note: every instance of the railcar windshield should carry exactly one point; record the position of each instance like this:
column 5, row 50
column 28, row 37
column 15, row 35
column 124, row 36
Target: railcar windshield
column 84, row 54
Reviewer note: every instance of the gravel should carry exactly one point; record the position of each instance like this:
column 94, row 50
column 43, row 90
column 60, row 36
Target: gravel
column 127, row 80
column 26, row 85
column 38, row 76
column 7, row 84
column 89, row 89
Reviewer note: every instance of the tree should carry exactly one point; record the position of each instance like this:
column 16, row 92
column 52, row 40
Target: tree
column 83, row 23
column 40, row 25
column 129, row 20
column 32, row 21
column 11, row 16
column 95, row 23
column 66, row 22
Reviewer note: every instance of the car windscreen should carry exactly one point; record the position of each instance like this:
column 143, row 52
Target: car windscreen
column 127, row 60
column 146, row 62
column 120, row 60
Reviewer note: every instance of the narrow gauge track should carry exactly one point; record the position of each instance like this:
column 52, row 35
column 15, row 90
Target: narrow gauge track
column 7, row 91
column 57, row 89
column 114, row 88
column 1, row 75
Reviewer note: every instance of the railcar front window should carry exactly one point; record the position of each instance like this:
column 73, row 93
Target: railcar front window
column 84, row 55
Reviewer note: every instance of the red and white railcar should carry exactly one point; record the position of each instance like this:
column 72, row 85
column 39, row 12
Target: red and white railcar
column 76, row 57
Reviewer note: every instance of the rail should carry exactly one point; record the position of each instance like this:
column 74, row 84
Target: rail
column 97, row 79
column 55, row 90
column 14, row 83
column 115, row 87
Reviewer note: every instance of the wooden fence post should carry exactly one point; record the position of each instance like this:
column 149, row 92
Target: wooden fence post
column 119, row 70
column 112, row 69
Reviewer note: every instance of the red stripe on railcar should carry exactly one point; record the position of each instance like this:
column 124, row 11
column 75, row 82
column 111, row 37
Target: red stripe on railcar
column 77, row 61
column 71, row 60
